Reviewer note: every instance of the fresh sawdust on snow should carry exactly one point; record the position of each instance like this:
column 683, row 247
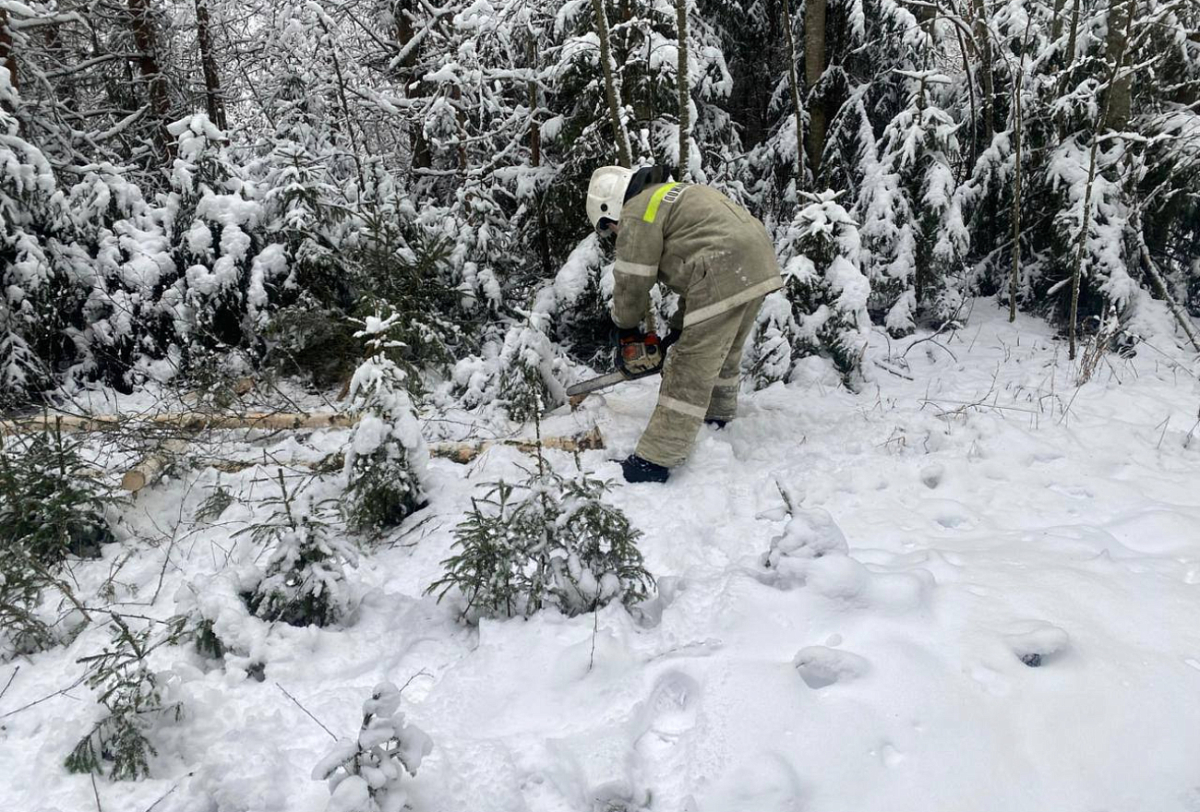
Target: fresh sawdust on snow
column 987, row 598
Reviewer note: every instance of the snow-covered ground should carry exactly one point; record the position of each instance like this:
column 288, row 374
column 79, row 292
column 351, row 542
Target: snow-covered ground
column 992, row 510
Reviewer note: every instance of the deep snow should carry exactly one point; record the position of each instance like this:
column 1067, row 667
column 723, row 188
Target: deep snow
column 991, row 509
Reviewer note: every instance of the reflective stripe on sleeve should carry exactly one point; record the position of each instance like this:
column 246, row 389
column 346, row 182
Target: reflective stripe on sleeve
column 635, row 268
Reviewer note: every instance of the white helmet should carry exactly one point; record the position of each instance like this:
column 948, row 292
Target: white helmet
column 606, row 193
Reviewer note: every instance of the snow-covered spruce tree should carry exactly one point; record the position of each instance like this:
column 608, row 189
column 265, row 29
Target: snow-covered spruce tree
column 386, row 457
column 218, row 229
column 366, row 774
column 520, row 373
column 920, row 148
column 133, row 703
column 551, row 541
column 303, row 582
column 828, row 293
column 38, row 301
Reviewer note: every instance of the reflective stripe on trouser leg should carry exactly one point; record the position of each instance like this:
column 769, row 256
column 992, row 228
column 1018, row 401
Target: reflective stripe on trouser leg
column 723, row 405
column 694, row 365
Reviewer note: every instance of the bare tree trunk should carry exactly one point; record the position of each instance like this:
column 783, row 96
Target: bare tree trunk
column 1018, row 137
column 1074, row 35
column 1057, row 25
column 1120, row 89
column 814, row 69
column 535, row 159
column 7, row 56
column 794, row 86
column 156, row 83
column 685, row 94
column 422, row 157
column 1119, row 59
column 612, row 90
column 983, row 41
column 1018, row 125
column 212, row 80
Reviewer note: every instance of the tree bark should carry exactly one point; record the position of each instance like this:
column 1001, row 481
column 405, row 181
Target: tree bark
column 794, row 86
column 1073, row 37
column 685, row 92
column 422, row 157
column 1018, row 125
column 612, row 90
column 983, row 42
column 214, row 101
column 1119, row 59
column 535, row 160
column 814, row 69
column 7, row 56
column 1120, row 89
column 151, row 71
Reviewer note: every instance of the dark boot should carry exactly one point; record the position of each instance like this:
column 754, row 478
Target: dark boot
column 637, row 469
column 715, row 422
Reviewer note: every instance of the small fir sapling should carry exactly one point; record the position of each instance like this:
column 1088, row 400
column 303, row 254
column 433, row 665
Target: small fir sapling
column 304, row 580
column 549, row 541
column 386, row 459
column 132, row 697
column 366, row 774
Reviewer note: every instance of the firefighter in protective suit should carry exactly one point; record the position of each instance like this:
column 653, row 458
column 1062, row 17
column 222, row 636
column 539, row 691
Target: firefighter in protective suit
column 720, row 261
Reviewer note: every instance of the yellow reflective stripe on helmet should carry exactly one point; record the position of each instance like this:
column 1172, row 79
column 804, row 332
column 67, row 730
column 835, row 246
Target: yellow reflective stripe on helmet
column 655, row 200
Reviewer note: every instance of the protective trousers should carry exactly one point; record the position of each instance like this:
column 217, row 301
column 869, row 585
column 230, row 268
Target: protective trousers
column 700, row 382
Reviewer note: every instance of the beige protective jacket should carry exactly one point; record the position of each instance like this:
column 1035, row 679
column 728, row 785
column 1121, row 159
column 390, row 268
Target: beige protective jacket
column 697, row 242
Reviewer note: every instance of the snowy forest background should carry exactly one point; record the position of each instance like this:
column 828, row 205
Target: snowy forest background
column 202, row 189
column 295, row 255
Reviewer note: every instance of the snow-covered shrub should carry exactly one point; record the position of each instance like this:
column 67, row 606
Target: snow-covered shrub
column 549, row 541
column 37, row 299
column 304, row 580
column 366, row 774
column 825, row 287
column 385, row 461
column 133, row 703
column 23, row 582
column 50, row 507
column 520, row 375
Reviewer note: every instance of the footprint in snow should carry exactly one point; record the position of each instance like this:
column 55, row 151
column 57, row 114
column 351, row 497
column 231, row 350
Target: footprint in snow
column 820, row 666
column 932, row 475
column 1035, row 643
column 666, row 718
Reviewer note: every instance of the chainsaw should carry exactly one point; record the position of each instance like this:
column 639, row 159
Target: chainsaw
column 648, row 349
